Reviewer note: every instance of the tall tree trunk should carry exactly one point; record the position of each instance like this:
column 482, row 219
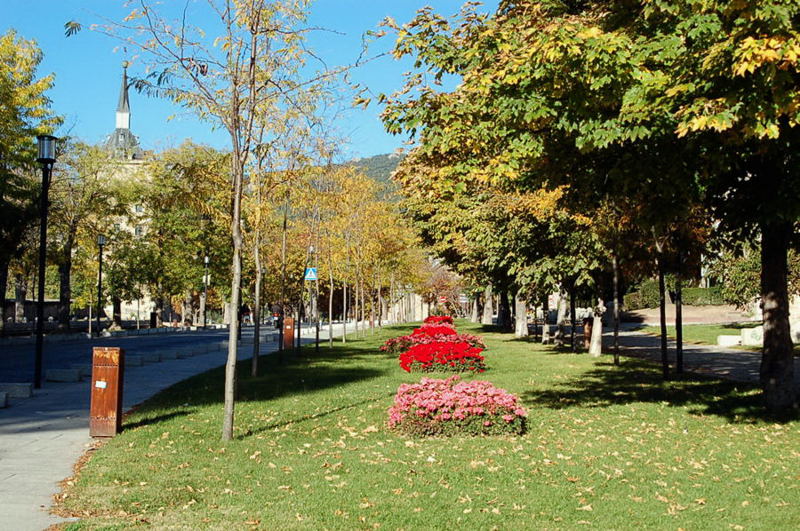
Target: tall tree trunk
column 777, row 362
column 521, row 312
column 344, row 312
column 159, row 311
column 545, row 320
column 301, row 314
column 504, row 312
column 356, row 301
column 572, row 316
column 392, row 317
column 283, row 277
column 615, row 267
column 20, row 293
column 679, row 317
column 64, row 284
column 201, row 316
column 256, row 307
column 330, row 304
column 488, row 308
column 596, row 341
column 363, row 306
column 236, row 279
column 116, row 312
column 662, row 311
column 561, row 318
column 373, row 295
column 3, row 287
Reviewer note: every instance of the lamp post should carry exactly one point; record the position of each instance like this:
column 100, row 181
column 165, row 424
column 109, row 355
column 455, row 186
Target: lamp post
column 46, row 157
column 101, row 241
column 205, row 291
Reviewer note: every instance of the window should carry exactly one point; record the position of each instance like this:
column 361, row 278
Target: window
column 138, row 209
column 138, row 231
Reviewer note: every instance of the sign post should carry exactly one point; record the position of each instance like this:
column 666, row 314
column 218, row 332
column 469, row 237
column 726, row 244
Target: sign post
column 311, row 273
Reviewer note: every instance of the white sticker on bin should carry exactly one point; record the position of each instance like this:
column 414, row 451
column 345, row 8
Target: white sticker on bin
column 101, row 384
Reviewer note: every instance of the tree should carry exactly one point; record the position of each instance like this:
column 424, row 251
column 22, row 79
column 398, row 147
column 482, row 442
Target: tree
column 24, row 113
column 233, row 77
column 82, row 193
column 184, row 218
column 661, row 101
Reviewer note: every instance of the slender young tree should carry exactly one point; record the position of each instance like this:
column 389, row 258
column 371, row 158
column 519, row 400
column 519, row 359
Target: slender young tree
column 248, row 65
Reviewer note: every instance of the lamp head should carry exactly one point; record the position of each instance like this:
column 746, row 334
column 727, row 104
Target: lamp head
column 47, row 149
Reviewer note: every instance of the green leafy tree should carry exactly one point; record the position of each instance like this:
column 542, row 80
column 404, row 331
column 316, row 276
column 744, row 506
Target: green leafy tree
column 24, row 113
column 664, row 102
column 83, row 199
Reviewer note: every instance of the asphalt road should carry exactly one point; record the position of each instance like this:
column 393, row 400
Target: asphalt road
column 16, row 361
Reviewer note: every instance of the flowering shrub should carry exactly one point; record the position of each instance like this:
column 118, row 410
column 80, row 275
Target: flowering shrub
column 442, row 356
column 400, row 344
column 450, row 407
column 434, row 330
column 438, row 319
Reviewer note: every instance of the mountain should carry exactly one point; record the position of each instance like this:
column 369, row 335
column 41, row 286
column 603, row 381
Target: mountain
column 379, row 168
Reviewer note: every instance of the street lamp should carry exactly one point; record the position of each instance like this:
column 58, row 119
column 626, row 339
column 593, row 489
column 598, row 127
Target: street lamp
column 101, row 241
column 205, row 290
column 46, row 157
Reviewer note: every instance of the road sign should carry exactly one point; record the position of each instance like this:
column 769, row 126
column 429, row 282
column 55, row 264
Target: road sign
column 462, row 299
column 311, row 273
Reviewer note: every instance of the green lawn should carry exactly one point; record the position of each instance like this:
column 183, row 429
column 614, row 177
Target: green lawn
column 703, row 333
column 706, row 334
column 607, row 447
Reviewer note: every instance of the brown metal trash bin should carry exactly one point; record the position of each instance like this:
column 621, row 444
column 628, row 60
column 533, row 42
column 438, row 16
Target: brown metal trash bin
column 105, row 411
column 587, row 332
column 288, row 333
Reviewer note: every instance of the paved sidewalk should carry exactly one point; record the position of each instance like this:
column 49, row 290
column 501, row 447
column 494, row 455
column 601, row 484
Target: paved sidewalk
column 732, row 364
column 41, row 438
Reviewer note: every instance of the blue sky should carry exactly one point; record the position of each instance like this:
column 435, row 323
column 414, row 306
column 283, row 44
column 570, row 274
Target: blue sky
column 88, row 69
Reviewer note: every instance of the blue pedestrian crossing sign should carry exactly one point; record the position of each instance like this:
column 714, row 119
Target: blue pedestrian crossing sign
column 311, row 273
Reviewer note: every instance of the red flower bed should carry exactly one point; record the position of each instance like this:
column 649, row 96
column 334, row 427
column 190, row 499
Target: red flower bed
column 438, row 319
column 442, row 356
column 434, row 330
column 403, row 343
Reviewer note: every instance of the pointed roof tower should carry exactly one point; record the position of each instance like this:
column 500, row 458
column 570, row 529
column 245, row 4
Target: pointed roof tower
column 123, row 106
column 122, row 142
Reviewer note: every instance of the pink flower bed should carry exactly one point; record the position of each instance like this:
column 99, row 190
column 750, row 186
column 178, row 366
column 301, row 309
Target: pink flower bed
column 452, row 407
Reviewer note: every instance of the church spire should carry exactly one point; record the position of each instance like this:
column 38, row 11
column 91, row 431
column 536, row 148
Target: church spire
column 123, row 107
column 122, row 143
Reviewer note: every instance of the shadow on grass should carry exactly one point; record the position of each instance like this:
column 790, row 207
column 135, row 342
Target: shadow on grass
column 636, row 381
column 296, row 374
column 493, row 329
column 147, row 420
column 314, row 416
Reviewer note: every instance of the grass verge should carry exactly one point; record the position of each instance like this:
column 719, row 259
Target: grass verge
column 607, row 447
column 706, row 334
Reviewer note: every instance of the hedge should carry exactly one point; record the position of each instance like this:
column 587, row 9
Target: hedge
column 647, row 296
